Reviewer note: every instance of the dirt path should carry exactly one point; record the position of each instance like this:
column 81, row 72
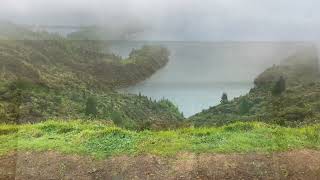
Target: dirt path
column 304, row 164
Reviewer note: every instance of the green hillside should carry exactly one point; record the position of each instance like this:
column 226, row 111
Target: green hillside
column 43, row 79
column 58, row 63
column 297, row 105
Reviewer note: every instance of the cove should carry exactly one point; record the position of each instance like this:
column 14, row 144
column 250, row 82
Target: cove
column 199, row 72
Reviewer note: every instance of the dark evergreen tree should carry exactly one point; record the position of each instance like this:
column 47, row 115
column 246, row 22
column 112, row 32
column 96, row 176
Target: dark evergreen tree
column 91, row 106
column 279, row 87
column 224, row 98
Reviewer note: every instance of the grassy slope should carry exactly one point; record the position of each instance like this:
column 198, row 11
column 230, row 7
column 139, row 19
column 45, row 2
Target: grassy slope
column 58, row 80
column 102, row 140
column 42, row 79
column 298, row 105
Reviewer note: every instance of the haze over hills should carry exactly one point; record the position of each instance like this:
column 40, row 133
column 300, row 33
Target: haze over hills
column 52, row 78
column 178, row 20
column 160, row 89
column 296, row 106
column 58, row 97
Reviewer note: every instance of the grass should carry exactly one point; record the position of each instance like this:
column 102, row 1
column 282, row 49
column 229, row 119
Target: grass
column 104, row 140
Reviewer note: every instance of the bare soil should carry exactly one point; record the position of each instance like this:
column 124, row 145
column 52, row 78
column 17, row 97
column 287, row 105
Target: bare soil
column 302, row 164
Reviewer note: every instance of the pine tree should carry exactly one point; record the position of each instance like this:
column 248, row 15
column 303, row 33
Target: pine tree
column 224, row 98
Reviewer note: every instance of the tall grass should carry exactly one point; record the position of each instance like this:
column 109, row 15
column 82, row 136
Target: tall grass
column 104, row 140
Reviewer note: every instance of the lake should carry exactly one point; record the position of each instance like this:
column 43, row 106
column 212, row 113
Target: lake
column 198, row 73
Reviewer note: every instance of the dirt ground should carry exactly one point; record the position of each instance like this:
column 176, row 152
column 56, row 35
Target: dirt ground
column 303, row 164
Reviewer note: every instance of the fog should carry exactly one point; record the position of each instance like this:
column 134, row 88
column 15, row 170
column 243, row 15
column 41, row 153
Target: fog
column 183, row 20
column 197, row 72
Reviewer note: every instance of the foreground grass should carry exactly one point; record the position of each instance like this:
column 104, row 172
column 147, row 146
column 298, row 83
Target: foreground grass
column 103, row 140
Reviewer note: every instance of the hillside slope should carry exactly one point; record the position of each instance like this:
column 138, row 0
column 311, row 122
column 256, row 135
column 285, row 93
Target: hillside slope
column 43, row 79
column 299, row 104
column 59, row 62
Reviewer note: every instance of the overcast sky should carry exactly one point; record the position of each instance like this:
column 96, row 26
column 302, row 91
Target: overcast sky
column 202, row 20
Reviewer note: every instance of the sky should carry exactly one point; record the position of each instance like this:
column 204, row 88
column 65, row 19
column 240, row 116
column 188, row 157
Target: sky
column 190, row 20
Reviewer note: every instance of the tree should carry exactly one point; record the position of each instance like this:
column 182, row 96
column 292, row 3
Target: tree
column 132, row 53
column 91, row 106
column 279, row 87
column 244, row 106
column 224, row 98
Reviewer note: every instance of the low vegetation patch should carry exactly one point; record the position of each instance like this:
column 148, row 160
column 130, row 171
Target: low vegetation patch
column 102, row 140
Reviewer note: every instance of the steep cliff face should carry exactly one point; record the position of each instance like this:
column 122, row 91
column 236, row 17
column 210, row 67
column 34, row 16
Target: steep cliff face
column 297, row 105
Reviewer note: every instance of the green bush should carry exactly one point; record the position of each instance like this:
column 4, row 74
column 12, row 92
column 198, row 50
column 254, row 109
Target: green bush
column 117, row 118
column 239, row 126
column 295, row 113
column 244, row 106
column 91, row 106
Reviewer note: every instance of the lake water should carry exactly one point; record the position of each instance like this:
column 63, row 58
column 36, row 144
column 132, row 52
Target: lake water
column 198, row 73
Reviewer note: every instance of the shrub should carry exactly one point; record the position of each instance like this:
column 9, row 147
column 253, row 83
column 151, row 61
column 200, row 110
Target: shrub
column 295, row 113
column 20, row 84
column 239, row 126
column 244, row 106
column 116, row 118
column 91, row 106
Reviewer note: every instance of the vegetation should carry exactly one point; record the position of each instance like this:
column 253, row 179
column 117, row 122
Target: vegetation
column 279, row 87
column 244, row 106
column 102, row 139
column 224, row 98
column 62, row 79
column 287, row 94
column 63, row 63
column 58, row 77
column 91, row 106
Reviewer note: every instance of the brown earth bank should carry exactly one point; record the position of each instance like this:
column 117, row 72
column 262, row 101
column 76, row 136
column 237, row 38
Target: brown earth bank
column 302, row 164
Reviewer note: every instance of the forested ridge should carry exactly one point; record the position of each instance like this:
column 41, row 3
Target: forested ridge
column 63, row 78
column 287, row 94
column 59, row 77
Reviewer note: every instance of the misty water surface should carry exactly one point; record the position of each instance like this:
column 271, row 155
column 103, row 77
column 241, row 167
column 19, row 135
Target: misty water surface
column 198, row 73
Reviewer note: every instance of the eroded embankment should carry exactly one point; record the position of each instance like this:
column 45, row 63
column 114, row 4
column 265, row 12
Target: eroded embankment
column 302, row 164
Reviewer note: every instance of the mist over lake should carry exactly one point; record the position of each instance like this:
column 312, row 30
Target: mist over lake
column 198, row 73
